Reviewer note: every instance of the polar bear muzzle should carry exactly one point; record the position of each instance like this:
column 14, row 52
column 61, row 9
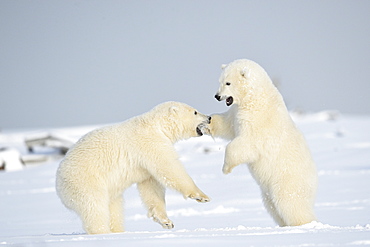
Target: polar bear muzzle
column 199, row 131
column 229, row 101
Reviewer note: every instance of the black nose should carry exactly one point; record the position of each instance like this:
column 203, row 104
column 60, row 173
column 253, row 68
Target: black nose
column 209, row 119
column 218, row 97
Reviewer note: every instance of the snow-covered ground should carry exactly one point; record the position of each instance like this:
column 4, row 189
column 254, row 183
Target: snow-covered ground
column 32, row 215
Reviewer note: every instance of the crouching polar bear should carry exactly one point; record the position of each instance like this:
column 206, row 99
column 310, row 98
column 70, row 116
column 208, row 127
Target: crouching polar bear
column 103, row 163
column 264, row 137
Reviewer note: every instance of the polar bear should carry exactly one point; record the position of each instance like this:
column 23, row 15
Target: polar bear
column 102, row 164
column 264, row 136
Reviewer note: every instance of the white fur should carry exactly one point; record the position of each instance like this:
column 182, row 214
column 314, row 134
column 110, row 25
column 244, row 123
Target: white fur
column 106, row 161
column 264, row 137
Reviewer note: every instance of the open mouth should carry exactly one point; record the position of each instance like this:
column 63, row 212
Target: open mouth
column 229, row 101
column 199, row 131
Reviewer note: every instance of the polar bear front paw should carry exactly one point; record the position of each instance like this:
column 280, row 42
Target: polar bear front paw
column 200, row 198
column 165, row 223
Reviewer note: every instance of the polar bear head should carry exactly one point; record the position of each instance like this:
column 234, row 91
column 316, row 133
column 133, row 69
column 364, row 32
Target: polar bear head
column 180, row 121
column 239, row 79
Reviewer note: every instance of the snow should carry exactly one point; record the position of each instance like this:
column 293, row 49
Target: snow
column 32, row 215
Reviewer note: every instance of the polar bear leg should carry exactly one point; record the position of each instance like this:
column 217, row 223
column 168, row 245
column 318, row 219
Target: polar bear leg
column 292, row 207
column 271, row 209
column 295, row 212
column 238, row 152
column 221, row 126
column 94, row 214
column 173, row 175
column 153, row 196
column 116, row 214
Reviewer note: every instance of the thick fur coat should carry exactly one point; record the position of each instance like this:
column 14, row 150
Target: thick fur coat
column 264, row 136
column 105, row 162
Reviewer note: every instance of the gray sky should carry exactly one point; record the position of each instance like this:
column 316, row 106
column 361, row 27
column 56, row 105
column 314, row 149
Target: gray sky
column 67, row 63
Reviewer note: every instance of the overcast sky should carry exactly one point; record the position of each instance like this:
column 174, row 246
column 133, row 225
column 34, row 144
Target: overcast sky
column 68, row 63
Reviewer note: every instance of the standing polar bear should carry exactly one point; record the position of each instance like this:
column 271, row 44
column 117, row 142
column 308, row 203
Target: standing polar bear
column 264, row 137
column 105, row 162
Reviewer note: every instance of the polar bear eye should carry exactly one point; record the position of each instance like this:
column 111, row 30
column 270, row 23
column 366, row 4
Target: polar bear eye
column 195, row 113
column 228, row 83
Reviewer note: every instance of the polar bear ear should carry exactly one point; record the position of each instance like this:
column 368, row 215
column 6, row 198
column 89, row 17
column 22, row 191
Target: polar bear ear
column 174, row 109
column 245, row 72
column 223, row 66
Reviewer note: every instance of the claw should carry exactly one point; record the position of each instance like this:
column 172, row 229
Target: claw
column 200, row 198
column 168, row 225
column 165, row 223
